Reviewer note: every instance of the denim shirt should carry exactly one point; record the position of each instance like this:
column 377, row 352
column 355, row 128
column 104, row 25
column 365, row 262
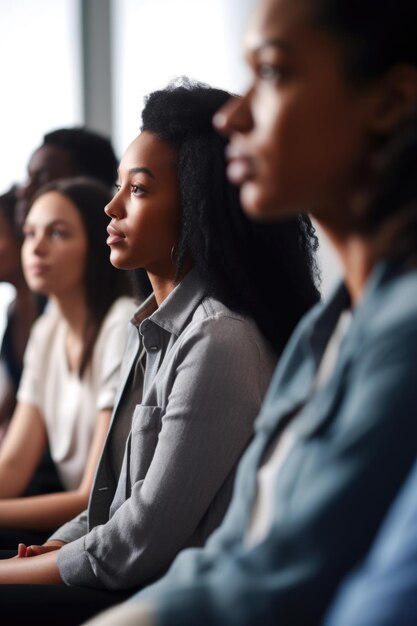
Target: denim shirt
column 207, row 371
column 355, row 441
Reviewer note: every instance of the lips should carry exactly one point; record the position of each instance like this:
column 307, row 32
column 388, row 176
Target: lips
column 38, row 269
column 240, row 166
column 115, row 236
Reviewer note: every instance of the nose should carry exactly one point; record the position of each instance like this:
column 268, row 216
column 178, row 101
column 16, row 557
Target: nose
column 234, row 116
column 114, row 208
column 38, row 244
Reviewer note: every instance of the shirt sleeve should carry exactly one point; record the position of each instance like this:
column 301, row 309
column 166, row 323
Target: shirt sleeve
column 383, row 590
column 72, row 530
column 220, row 380
column 35, row 359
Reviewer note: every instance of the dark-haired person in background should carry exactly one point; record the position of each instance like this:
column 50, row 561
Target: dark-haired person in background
column 227, row 294
column 64, row 153
column 22, row 311
column 68, row 152
column 72, row 360
column 327, row 125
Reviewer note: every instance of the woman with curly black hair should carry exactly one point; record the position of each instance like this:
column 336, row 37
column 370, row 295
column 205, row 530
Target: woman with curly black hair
column 226, row 295
column 329, row 125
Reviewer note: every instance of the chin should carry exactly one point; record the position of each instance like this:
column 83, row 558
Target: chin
column 116, row 261
column 264, row 207
column 257, row 205
column 38, row 286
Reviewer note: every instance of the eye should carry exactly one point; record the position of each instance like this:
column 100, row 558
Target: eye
column 118, row 187
column 57, row 233
column 271, row 72
column 137, row 190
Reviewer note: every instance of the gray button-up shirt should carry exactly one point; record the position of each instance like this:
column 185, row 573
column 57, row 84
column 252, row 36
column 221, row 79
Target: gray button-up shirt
column 207, row 369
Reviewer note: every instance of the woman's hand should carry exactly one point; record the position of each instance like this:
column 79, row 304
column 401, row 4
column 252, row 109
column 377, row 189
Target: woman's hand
column 39, row 570
column 24, row 551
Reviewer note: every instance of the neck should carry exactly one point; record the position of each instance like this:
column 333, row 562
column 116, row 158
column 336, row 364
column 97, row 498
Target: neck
column 74, row 310
column 355, row 253
column 163, row 285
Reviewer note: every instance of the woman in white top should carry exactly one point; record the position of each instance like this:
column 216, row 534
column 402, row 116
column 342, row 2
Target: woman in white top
column 72, row 360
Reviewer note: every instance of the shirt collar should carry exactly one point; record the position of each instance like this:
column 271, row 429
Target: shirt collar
column 339, row 300
column 175, row 311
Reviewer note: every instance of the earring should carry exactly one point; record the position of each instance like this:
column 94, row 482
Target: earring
column 174, row 253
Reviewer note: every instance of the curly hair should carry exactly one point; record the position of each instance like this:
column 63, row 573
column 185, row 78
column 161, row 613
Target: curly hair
column 269, row 271
column 390, row 203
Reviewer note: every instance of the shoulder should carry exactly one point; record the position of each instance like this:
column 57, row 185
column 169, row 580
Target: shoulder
column 113, row 334
column 47, row 337
column 47, row 324
column 393, row 309
column 120, row 312
column 224, row 329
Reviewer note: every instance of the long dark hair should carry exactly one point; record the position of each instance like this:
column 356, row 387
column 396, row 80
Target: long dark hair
column 8, row 210
column 103, row 282
column 377, row 36
column 265, row 271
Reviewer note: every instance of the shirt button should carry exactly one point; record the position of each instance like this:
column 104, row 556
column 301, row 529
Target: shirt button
column 153, row 348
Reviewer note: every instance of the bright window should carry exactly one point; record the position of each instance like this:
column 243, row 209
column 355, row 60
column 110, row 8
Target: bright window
column 40, row 78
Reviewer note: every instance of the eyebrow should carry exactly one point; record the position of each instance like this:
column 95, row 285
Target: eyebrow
column 141, row 170
column 58, row 222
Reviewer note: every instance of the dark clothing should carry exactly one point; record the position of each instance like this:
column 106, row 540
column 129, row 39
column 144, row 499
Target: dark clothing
column 52, row 605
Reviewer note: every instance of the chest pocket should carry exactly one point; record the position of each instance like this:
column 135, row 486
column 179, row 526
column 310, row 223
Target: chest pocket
column 146, row 424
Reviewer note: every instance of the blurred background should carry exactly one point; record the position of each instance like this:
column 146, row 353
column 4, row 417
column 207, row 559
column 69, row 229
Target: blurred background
column 90, row 62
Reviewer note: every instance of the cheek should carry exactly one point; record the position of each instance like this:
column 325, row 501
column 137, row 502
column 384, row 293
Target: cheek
column 309, row 155
column 72, row 263
column 158, row 227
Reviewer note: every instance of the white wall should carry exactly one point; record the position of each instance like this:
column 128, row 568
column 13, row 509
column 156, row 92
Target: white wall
column 153, row 42
column 157, row 40
column 40, row 86
column 6, row 296
column 329, row 263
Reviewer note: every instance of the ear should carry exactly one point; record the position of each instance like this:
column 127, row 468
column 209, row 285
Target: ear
column 396, row 98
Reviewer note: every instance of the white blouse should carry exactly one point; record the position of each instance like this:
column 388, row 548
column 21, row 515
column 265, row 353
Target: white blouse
column 70, row 405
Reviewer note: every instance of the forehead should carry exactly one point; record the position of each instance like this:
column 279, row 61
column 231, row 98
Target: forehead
column 53, row 206
column 52, row 159
column 150, row 151
column 278, row 21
